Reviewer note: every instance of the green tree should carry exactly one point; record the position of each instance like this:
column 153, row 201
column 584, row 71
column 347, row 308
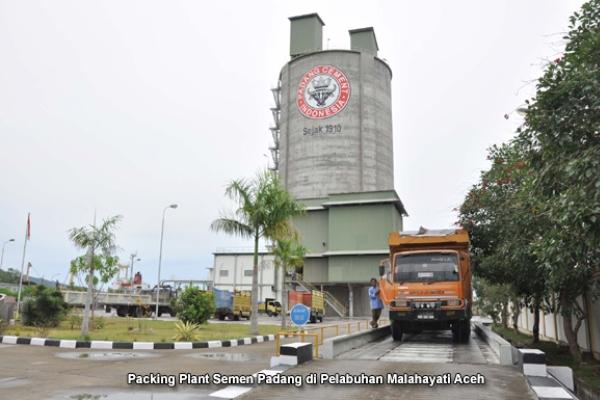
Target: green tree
column 195, row 306
column 94, row 238
column 44, row 307
column 562, row 137
column 11, row 275
column 106, row 266
column 535, row 215
column 264, row 211
column 289, row 255
column 501, row 216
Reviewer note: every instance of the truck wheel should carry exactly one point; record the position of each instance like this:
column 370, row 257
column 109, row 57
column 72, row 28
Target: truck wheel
column 461, row 332
column 465, row 331
column 269, row 313
column 122, row 311
column 236, row 317
column 321, row 318
column 221, row 317
column 313, row 319
column 396, row 331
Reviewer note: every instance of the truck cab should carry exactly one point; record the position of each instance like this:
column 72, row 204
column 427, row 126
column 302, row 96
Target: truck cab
column 426, row 282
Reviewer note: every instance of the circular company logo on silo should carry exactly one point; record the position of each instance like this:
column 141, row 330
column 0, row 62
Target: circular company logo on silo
column 323, row 92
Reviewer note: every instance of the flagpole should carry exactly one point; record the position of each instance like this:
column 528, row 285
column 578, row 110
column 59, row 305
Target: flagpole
column 22, row 266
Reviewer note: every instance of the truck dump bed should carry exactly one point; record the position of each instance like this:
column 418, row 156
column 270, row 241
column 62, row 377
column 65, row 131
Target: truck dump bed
column 428, row 238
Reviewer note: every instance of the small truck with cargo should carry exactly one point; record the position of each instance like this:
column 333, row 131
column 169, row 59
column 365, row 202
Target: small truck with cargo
column 426, row 282
column 312, row 299
column 270, row 306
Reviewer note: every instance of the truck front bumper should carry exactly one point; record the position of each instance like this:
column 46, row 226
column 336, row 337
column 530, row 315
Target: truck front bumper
column 429, row 316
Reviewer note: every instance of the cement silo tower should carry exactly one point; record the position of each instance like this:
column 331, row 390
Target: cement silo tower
column 335, row 121
column 333, row 150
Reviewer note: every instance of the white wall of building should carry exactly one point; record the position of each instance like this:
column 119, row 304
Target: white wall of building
column 233, row 271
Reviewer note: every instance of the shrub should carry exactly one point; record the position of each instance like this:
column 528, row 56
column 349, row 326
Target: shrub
column 75, row 321
column 8, row 292
column 98, row 323
column 45, row 307
column 195, row 305
column 186, row 331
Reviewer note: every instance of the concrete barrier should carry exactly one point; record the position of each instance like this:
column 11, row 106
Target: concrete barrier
column 335, row 346
column 506, row 353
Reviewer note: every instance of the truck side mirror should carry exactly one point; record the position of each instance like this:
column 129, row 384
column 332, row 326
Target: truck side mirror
column 381, row 270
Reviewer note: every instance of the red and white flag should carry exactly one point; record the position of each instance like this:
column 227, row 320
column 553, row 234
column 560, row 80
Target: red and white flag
column 28, row 226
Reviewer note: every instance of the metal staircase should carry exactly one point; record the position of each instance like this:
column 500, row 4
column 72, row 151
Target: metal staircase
column 338, row 307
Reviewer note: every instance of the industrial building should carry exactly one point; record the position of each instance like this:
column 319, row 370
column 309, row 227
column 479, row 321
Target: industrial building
column 333, row 150
column 232, row 270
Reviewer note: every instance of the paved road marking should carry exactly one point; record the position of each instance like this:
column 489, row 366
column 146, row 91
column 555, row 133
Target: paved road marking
column 421, row 352
column 233, row 391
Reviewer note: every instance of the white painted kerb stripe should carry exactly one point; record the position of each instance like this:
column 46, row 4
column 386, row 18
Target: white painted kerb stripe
column 9, row 339
column 69, row 344
column 36, row 341
column 551, row 392
column 247, row 340
column 100, row 344
column 214, row 343
column 143, row 346
column 183, row 345
column 260, row 339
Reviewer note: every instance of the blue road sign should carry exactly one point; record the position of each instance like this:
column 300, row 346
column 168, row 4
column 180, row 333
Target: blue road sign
column 300, row 314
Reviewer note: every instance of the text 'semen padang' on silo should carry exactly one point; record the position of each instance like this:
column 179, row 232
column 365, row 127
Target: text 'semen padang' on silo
column 336, row 124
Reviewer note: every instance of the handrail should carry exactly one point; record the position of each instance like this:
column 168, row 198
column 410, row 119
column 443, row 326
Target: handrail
column 338, row 307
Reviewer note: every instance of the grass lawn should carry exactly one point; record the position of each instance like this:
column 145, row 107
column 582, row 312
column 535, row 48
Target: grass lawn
column 588, row 371
column 139, row 330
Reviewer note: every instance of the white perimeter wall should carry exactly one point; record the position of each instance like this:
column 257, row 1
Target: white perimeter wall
column 551, row 326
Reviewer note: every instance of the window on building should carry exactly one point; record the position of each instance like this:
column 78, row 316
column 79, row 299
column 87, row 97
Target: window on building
column 223, row 272
column 247, row 272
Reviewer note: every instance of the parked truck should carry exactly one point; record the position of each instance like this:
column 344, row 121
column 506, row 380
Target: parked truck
column 426, row 282
column 136, row 303
column 312, row 299
column 270, row 306
column 233, row 306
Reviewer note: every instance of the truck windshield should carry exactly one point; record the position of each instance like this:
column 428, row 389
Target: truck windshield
column 426, row 267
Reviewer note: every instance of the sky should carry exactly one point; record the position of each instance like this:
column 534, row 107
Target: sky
column 124, row 107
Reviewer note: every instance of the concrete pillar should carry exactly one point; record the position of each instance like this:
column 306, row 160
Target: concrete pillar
column 350, row 302
column 235, row 267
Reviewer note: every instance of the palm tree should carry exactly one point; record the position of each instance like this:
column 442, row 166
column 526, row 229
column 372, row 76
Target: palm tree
column 92, row 238
column 264, row 211
column 289, row 253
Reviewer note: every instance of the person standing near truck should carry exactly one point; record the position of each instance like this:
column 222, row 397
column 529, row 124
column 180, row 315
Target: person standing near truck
column 376, row 303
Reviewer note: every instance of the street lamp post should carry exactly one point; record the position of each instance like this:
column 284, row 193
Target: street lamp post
column 134, row 257
column 3, row 246
column 162, row 233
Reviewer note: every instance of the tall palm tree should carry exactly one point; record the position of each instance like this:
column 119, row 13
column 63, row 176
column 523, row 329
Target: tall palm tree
column 264, row 211
column 93, row 238
column 289, row 253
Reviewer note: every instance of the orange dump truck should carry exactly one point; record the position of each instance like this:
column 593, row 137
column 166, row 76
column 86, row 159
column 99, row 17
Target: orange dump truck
column 427, row 282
